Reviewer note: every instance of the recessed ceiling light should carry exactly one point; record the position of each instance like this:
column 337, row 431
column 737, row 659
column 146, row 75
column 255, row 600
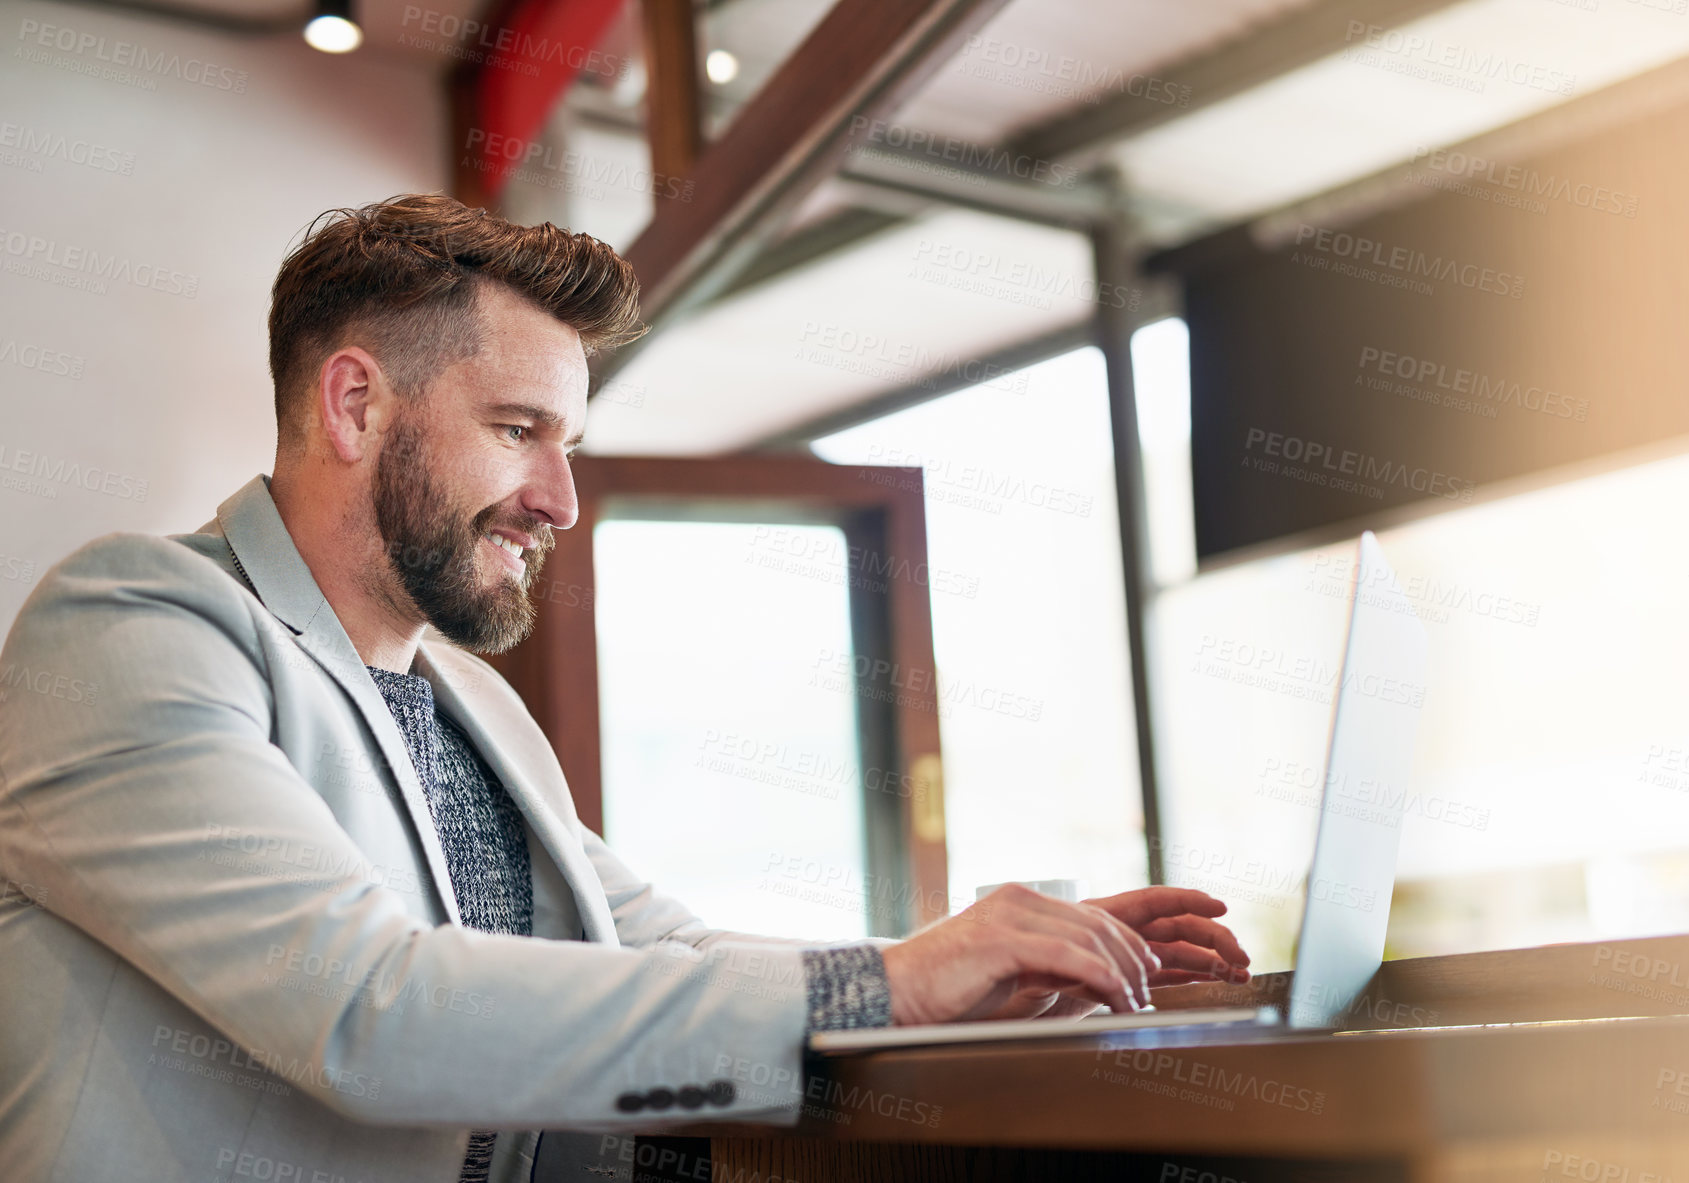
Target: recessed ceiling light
column 721, row 67
column 333, row 30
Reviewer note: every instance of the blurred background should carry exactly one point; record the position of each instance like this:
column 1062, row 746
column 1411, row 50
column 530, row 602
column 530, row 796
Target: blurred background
column 983, row 503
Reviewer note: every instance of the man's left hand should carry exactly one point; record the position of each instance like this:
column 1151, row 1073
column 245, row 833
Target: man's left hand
column 1179, row 926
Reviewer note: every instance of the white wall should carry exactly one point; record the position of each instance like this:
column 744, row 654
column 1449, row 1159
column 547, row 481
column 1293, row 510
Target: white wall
column 211, row 185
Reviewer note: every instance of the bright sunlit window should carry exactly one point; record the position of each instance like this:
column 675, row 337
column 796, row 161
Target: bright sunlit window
column 1028, row 603
column 730, row 779
column 1551, row 793
column 1161, row 382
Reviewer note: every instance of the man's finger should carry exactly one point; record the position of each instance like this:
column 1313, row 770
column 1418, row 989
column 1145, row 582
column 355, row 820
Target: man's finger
column 1122, row 943
column 1183, row 955
column 1090, row 928
column 1139, row 907
column 1131, row 950
column 1038, row 953
column 1198, row 930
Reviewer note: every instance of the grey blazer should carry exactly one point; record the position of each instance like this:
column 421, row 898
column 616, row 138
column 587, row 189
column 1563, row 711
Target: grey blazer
column 229, row 947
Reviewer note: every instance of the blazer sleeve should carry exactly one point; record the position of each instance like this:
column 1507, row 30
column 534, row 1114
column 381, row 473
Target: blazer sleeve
column 136, row 724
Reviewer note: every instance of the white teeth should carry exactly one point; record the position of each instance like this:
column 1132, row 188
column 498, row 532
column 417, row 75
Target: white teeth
column 507, row 544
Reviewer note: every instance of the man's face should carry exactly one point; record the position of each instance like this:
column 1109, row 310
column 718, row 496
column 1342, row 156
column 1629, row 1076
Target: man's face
column 487, row 453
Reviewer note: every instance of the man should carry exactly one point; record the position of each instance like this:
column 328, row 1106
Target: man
column 294, row 885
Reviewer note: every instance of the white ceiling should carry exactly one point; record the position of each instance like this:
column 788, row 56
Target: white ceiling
column 1035, row 59
column 920, row 300
column 739, row 370
column 1346, row 117
column 736, row 373
column 1038, row 58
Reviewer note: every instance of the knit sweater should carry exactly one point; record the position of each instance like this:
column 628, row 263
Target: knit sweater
column 481, row 833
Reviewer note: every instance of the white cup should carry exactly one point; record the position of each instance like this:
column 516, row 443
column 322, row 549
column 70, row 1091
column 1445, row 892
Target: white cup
column 1071, row 890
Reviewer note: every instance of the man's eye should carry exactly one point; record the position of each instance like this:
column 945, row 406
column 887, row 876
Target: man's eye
column 515, row 427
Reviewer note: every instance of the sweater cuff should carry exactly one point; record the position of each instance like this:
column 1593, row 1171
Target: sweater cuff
column 847, row 988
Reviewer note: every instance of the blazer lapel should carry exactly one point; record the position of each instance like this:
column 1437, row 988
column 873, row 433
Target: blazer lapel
column 517, row 769
column 264, row 550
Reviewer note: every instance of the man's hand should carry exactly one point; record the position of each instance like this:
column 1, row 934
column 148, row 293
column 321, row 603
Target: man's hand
column 1017, row 954
column 972, row 964
column 1179, row 925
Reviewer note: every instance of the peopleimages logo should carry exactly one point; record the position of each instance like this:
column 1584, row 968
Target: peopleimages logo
column 33, row 253
column 200, row 1054
column 1203, row 1083
column 1558, row 1164
column 838, row 347
column 45, row 468
column 1527, row 182
column 988, row 482
column 970, row 157
column 34, row 33
column 521, row 45
column 384, row 989
column 1364, row 798
column 42, row 360
column 55, row 685
column 1474, row 61
column 1034, row 68
column 554, row 167
column 1408, row 261
column 50, row 145
column 1022, row 274
column 1319, row 459
column 1438, row 383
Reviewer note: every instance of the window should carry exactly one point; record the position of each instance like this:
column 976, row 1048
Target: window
column 1161, row 383
column 712, row 723
column 1029, row 626
column 732, row 659
column 1551, row 794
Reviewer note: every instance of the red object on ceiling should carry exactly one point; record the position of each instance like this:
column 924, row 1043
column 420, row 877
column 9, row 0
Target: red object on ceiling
column 531, row 58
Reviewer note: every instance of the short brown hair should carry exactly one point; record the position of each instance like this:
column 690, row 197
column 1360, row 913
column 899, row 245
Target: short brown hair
column 404, row 275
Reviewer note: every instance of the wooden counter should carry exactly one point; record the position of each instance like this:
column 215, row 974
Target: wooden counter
column 1564, row 1062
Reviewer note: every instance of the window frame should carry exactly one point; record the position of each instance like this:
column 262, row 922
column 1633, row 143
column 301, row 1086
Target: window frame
column 882, row 512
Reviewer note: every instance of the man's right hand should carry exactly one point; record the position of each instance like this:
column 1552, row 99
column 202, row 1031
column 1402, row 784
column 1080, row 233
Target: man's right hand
column 969, row 965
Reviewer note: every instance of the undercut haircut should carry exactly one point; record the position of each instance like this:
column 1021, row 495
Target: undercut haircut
column 401, row 279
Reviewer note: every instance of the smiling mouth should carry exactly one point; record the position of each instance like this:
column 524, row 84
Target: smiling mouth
column 510, row 554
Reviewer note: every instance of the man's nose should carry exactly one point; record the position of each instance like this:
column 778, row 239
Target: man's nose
column 552, row 495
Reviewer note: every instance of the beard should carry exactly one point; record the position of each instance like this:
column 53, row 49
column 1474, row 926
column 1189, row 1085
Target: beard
column 434, row 548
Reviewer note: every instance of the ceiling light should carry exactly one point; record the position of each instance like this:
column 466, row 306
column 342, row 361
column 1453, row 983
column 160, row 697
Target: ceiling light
column 721, row 67
column 333, row 30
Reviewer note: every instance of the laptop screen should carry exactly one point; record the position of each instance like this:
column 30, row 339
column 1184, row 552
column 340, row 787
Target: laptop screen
column 1375, row 719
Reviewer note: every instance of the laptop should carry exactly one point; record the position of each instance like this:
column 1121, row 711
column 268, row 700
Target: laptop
column 1375, row 721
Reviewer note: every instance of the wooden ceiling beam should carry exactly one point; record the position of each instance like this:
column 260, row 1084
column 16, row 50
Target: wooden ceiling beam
column 1080, row 137
column 861, row 61
column 673, row 108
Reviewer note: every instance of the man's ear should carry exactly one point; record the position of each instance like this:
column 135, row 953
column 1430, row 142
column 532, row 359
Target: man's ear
column 355, row 403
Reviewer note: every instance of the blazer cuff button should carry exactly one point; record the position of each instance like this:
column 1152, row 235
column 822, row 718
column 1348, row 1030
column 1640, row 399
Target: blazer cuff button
column 691, row 1097
column 630, row 1102
column 721, row 1092
column 659, row 1099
